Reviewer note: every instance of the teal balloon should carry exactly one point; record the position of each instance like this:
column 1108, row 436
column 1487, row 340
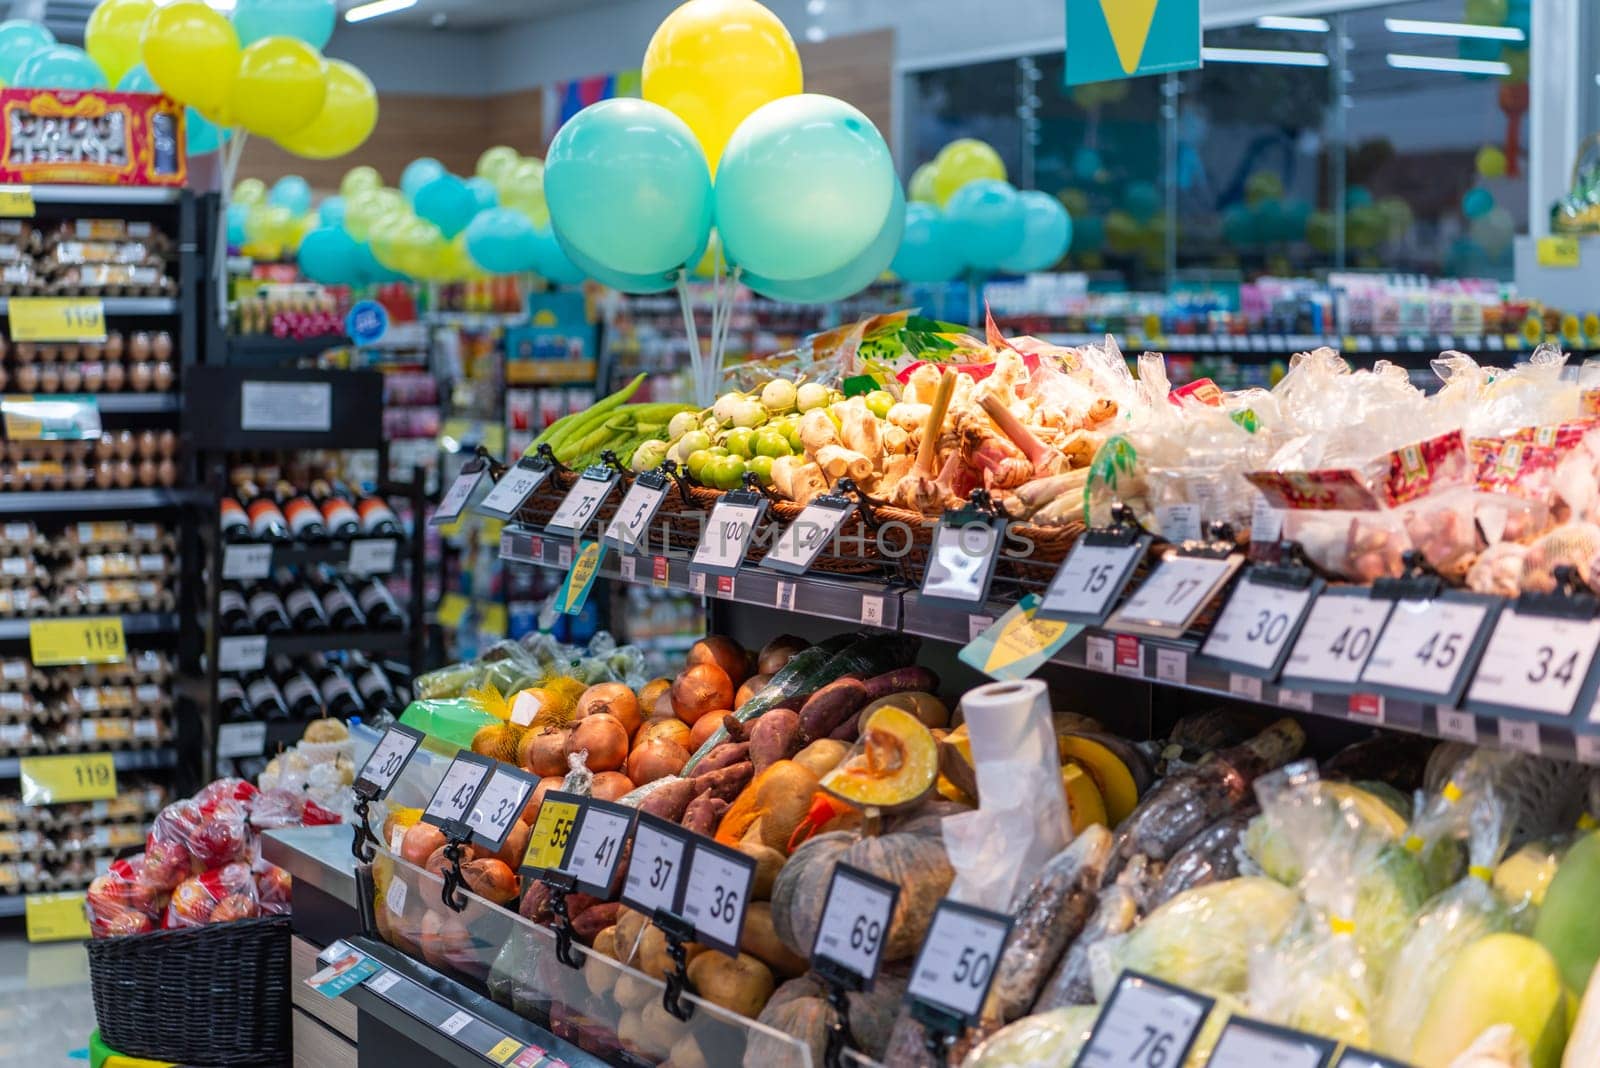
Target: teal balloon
column 988, row 220
column 1519, row 15
column 1296, row 213
column 237, row 215
column 503, row 241
column 311, row 21
column 1357, row 196
column 19, row 39
column 1088, row 233
column 201, row 136
column 1267, row 220
column 331, row 211
column 853, row 277
column 1141, row 200
column 369, row 270
column 1086, row 164
column 1239, row 227
column 59, row 66
column 447, row 202
column 1046, row 234
column 804, row 188
column 628, row 188
column 292, row 192
column 418, row 173
column 621, row 281
column 484, row 192
column 550, row 260
column 927, row 250
column 330, row 256
column 1477, row 203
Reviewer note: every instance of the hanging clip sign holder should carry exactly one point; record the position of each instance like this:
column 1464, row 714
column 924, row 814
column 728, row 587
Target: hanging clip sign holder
column 376, row 778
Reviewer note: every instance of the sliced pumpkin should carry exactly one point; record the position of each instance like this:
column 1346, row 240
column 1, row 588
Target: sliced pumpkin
column 925, row 706
column 1084, row 803
column 1111, row 776
column 894, row 764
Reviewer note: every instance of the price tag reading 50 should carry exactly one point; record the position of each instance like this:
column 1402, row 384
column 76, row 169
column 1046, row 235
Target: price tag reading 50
column 552, row 831
column 955, row 966
column 855, row 921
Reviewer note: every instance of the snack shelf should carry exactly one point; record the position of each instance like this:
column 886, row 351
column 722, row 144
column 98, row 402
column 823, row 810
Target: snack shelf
column 115, row 306
column 96, row 500
column 155, row 759
column 133, row 623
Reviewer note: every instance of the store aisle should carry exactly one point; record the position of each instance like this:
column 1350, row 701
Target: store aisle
column 46, row 1012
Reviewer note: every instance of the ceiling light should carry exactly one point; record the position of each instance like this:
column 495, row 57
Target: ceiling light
column 1451, row 66
column 1264, row 56
column 1454, row 29
column 362, row 12
column 1291, row 22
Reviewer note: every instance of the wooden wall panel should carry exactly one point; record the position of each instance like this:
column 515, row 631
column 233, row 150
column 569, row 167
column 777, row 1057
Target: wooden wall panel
column 859, row 69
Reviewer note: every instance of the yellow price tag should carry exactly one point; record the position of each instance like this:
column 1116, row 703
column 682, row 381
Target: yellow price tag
column 57, row 319
column 548, row 842
column 16, row 201
column 1562, row 253
column 55, row 780
column 56, row 917
column 495, row 620
column 504, row 1050
column 87, row 640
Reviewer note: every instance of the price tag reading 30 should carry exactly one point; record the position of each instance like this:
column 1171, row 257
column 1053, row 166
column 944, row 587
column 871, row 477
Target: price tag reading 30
column 856, row 914
column 727, row 534
column 799, row 546
column 655, row 869
column 1256, row 628
column 955, row 966
column 718, row 894
column 1091, row 579
column 597, row 843
column 499, row 804
column 629, row 529
column 1427, row 648
column 582, row 503
column 389, row 758
column 1146, row 1023
column 453, row 799
column 1536, row 663
column 1173, row 595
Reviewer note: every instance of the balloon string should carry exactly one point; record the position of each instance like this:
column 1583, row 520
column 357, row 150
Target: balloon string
column 728, row 298
column 695, row 357
column 719, row 326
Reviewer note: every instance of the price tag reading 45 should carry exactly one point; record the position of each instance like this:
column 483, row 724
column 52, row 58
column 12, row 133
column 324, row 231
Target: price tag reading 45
column 389, row 758
column 1257, row 627
column 582, row 503
column 597, row 843
column 55, row 780
column 718, row 894
column 1428, row 648
column 855, row 922
column 727, row 535
column 89, row 640
column 1146, row 1023
column 552, row 830
column 498, row 805
column 955, row 966
column 1091, row 580
column 450, row 803
column 655, row 869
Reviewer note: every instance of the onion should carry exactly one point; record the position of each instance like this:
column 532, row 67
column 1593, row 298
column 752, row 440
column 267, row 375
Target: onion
column 530, row 811
column 705, row 727
column 725, row 653
column 544, row 753
column 420, row 840
column 610, row 785
column 437, row 862
column 778, row 652
column 613, row 698
column 651, row 693
column 605, row 738
column 655, row 760
column 701, row 688
column 492, row 879
column 752, row 686
column 516, row 844
column 669, row 727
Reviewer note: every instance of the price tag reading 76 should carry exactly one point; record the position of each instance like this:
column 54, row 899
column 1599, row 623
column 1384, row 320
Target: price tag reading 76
column 1146, row 1023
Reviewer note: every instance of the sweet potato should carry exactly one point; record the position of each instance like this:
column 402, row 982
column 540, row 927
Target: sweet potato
column 832, row 705
column 722, row 756
column 726, row 783
column 902, row 680
column 669, row 802
column 594, row 919
column 738, row 730
column 705, row 812
column 776, row 736
column 848, row 730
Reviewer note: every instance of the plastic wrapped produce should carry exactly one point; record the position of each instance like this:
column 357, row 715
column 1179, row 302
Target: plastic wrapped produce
column 1046, row 1038
column 213, row 834
column 1542, row 796
column 1072, row 982
column 1211, row 856
column 226, row 893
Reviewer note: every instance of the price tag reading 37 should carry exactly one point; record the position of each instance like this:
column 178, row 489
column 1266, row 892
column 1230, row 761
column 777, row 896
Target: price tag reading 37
column 655, row 870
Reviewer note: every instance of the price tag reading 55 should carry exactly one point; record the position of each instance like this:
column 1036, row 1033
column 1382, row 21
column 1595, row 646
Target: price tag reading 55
column 552, row 830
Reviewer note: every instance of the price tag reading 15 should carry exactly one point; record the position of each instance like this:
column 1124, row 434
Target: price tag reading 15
column 655, row 869
column 1146, row 1023
column 499, row 804
column 717, row 894
column 597, row 843
column 955, row 966
column 457, row 790
column 1091, row 580
column 855, row 921
column 389, row 758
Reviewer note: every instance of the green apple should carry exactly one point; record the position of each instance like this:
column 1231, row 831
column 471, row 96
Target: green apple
column 879, row 401
column 762, row 466
column 727, row 472
column 772, row 443
column 697, row 462
column 740, row 442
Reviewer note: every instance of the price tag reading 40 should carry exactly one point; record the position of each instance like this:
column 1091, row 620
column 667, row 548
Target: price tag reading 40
column 1146, row 1023
column 88, row 640
column 955, row 966
column 582, row 503
column 597, row 843
column 1536, row 663
column 1428, row 648
column 389, row 758
column 727, row 534
column 1165, row 604
column 55, row 780
column 1256, row 628
column 718, row 894
column 1092, row 579
column 514, row 488
column 450, row 803
column 552, row 830
column 855, row 921
column 499, row 804
column 1335, row 641
column 799, row 546
column 655, row 868
column 1250, row 1044
column 629, row 529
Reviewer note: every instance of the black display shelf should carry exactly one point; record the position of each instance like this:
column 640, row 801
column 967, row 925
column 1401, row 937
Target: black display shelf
column 134, row 624
column 105, row 195
column 123, row 759
column 1277, row 343
column 366, row 641
column 334, row 409
column 123, row 306
column 278, row 351
column 97, row 500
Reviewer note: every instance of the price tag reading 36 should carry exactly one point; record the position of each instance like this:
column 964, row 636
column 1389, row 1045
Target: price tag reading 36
column 1146, row 1023
column 855, row 921
column 86, row 640
column 718, row 894
column 655, row 869
column 453, row 799
column 389, row 758
column 955, row 966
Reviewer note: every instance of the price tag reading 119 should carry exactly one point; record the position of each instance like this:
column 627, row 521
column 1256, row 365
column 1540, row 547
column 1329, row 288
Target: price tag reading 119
column 655, row 869
column 55, row 780
column 955, row 966
column 389, row 758
column 1146, row 1023
column 597, row 843
column 88, row 640
column 717, row 894
column 855, row 921
column 457, row 790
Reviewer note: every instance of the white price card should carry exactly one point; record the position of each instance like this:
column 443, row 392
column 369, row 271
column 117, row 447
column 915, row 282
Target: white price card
column 871, row 610
column 241, row 740
column 629, row 529
column 371, row 556
column 727, row 533
column 1427, row 649
column 389, row 758
column 962, row 559
column 1146, row 1023
column 783, row 596
column 798, row 547
column 1172, row 665
column 597, row 844
column 655, row 868
column 395, row 898
column 247, row 561
column 247, row 652
column 457, row 790
column 1174, row 594
column 460, row 493
column 1360, row 1058
column 1458, row 726
column 1091, row 579
column 956, row 963
column 856, row 914
column 384, row 981
column 1338, row 635
column 498, row 805
column 582, row 503
column 1257, row 627
column 1520, row 735
column 1536, row 663
column 514, row 488
column 1252, row 1044
column 718, row 894
column 455, row 1022
column 1099, row 653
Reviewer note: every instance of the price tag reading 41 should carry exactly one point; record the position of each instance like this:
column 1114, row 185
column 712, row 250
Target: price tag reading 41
column 552, row 830
column 88, row 640
column 718, row 894
column 1536, row 663
column 855, row 921
column 1428, row 648
column 514, row 488
column 1257, row 627
column 450, row 803
column 799, row 546
column 655, row 869
column 582, row 503
column 1174, row 594
column 727, row 535
column 1146, row 1023
column 1091, row 580
column 955, row 966
column 498, row 805
column 389, row 758
column 55, row 780
column 597, row 843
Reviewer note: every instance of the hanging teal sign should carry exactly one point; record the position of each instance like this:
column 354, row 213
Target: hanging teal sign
column 1108, row 39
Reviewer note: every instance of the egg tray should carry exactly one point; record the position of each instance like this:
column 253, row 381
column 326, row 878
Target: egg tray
column 137, row 803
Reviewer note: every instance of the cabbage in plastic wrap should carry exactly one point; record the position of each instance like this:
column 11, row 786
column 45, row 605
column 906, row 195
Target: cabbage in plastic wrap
column 1045, row 1039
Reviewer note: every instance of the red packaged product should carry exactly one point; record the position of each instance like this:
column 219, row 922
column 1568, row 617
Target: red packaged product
column 228, row 893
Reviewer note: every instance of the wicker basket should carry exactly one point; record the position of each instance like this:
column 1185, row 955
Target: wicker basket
column 236, row 974
column 537, row 509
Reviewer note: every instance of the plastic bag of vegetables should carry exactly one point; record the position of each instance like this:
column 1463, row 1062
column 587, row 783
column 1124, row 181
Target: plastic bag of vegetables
column 1048, row 1038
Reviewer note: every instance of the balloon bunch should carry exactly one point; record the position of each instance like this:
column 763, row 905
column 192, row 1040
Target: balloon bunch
column 801, row 187
column 965, row 218
column 269, row 223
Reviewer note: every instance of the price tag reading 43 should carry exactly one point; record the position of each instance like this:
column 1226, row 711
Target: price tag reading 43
column 955, row 966
column 718, row 894
column 1174, row 594
column 1146, row 1023
column 389, row 758
column 597, row 843
column 1428, row 648
column 1257, row 627
column 855, row 921
column 655, row 869
column 552, row 830
column 1091, row 579
column 88, row 640
column 1536, row 663
column 582, row 503
column 498, row 805
column 727, row 535
column 799, row 546
column 55, row 780
column 457, row 791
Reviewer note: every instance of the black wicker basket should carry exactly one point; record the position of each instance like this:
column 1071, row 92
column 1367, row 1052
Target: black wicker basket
column 214, row 995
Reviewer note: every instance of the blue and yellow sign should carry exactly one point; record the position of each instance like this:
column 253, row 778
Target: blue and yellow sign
column 1109, row 39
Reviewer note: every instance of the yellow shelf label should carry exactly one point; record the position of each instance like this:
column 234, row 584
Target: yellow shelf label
column 504, row 1050
column 1562, row 253
column 57, row 319
column 548, row 842
column 1023, row 636
column 86, row 640
column 55, row 780
column 16, row 201
column 453, row 609
column 56, row 917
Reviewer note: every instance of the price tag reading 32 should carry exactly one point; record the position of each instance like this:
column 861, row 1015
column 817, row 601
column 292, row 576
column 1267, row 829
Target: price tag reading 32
column 597, row 843
column 1090, row 580
column 389, row 758
column 955, row 966
column 855, row 921
column 1427, row 648
column 1536, row 663
column 1257, row 626
column 453, row 799
column 1146, row 1023
column 655, row 869
column 718, row 894
column 579, row 507
column 1175, row 592
column 799, row 546
column 727, row 534
column 1338, row 635
column 499, row 804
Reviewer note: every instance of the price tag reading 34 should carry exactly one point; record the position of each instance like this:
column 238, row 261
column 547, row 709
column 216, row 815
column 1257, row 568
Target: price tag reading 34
column 727, row 534
column 552, row 831
column 1167, row 601
column 1257, row 627
column 498, row 805
column 597, row 843
column 629, row 529
column 389, row 758
column 655, row 869
column 718, row 894
column 514, row 488
column 855, row 921
column 1536, row 663
column 1335, row 641
column 1146, row 1023
column 799, row 546
column 460, row 493
column 458, row 789
column 955, row 966
column 582, row 503
column 1091, row 579
column 1427, row 648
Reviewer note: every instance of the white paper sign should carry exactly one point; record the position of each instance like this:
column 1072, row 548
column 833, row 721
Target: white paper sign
column 804, row 539
column 1172, row 665
column 1424, row 646
column 286, row 406
column 630, row 527
column 371, row 556
column 1178, row 588
column 1255, row 625
column 1520, row 736
column 1534, row 662
column 956, row 963
column 456, row 497
column 395, row 899
column 872, row 610
column 456, row 791
column 245, row 653
column 1099, row 653
column 455, row 1022
column 1458, row 726
column 246, row 561
column 718, row 894
column 241, row 740
column 1090, row 579
column 388, row 759
column 597, row 847
column 1144, row 1025
column 1338, row 636
column 513, row 490
column 578, row 507
column 854, row 921
column 654, row 869
column 498, row 806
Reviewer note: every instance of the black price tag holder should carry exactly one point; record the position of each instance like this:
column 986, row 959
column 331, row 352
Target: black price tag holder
column 677, row 928
column 1570, row 601
column 946, row 587
column 1421, row 583
column 562, row 884
column 600, row 480
column 457, row 834
column 942, row 1025
column 368, row 789
column 1295, row 1048
column 840, row 980
column 1291, row 574
column 678, row 931
column 752, row 498
column 1123, row 535
column 866, row 508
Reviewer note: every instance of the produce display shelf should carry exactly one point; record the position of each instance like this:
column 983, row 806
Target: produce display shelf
column 133, row 624
column 1160, row 662
column 277, row 351
column 96, row 500
column 138, row 403
column 115, row 306
column 123, row 759
column 1280, row 344
column 12, row 905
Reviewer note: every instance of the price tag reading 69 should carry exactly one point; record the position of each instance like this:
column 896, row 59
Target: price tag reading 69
column 552, row 831
column 955, row 966
column 855, row 921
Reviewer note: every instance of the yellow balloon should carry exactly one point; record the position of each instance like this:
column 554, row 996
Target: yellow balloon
column 713, row 62
column 271, row 225
column 346, row 120
column 921, row 188
column 250, row 191
column 963, row 161
column 281, row 85
column 707, row 267
column 361, row 179
column 192, row 52
column 366, row 207
column 496, row 161
column 112, row 36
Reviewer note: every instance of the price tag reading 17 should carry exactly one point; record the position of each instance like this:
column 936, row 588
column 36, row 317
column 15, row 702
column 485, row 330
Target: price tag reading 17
column 855, row 921
column 1535, row 663
column 718, row 894
column 727, row 534
column 579, row 507
column 1426, row 648
column 597, row 843
column 389, row 758
column 1256, row 627
column 552, row 830
column 498, row 805
column 453, row 799
column 1090, row 581
column 1146, row 1023
column 955, row 966
column 1173, row 594
column 799, row 546
column 655, row 868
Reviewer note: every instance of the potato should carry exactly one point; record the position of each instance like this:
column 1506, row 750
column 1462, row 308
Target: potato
column 686, row 1054
column 663, row 1028
column 600, row 978
column 632, row 991
column 739, row 984
column 761, row 940
column 822, row 755
column 768, row 863
column 630, row 1031
column 629, row 924
column 654, row 960
column 605, row 943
